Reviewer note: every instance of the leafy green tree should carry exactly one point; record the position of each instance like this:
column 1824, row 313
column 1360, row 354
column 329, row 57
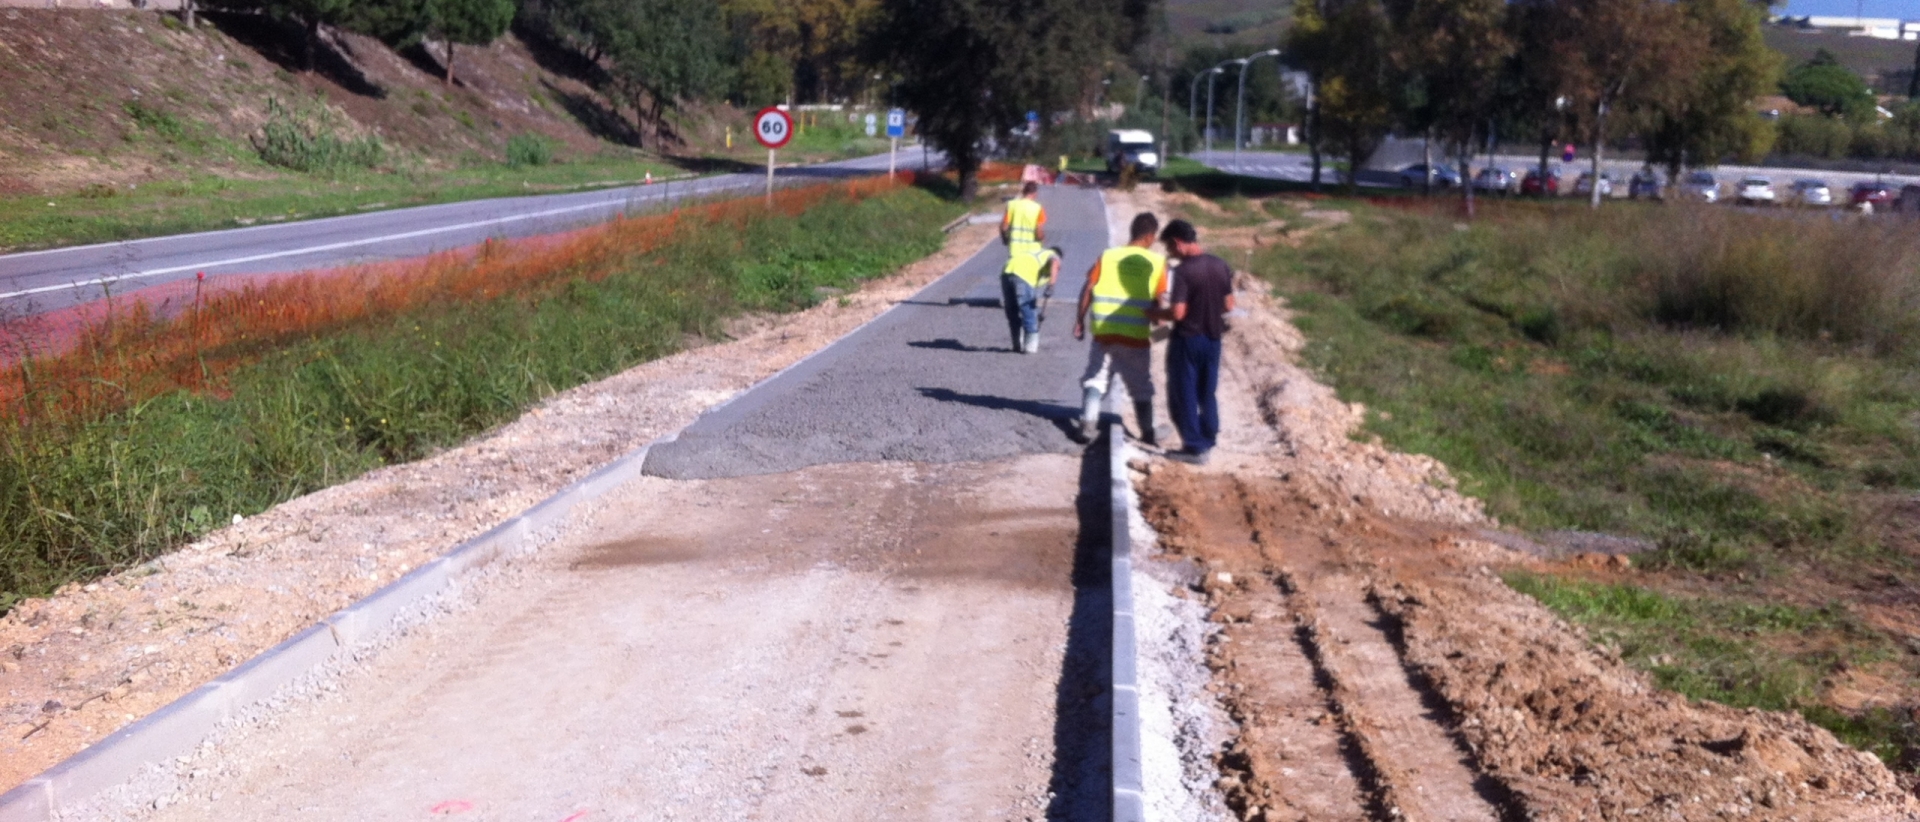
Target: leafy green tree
column 309, row 15
column 1832, row 88
column 1615, row 59
column 970, row 69
column 472, row 22
column 661, row 52
column 1709, row 117
column 1344, row 46
column 1453, row 53
column 817, row 40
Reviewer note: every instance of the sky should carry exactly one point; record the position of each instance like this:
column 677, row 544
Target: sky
column 1904, row 9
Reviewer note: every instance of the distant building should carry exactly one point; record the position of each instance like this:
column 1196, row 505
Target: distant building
column 1880, row 28
column 1273, row 134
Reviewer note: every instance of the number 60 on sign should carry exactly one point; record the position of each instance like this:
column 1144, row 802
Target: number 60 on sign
column 772, row 127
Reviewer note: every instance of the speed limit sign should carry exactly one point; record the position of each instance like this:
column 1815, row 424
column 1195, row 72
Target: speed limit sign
column 772, row 127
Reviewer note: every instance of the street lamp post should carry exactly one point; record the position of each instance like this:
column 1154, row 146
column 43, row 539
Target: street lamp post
column 1240, row 109
column 1210, row 74
column 1193, row 91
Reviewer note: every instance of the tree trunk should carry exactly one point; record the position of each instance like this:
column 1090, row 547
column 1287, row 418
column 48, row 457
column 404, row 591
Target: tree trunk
column 1466, row 183
column 1913, row 83
column 1313, row 142
column 969, row 168
column 1426, row 163
column 449, row 61
column 1546, row 148
column 312, row 40
column 1599, row 147
column 187, row 9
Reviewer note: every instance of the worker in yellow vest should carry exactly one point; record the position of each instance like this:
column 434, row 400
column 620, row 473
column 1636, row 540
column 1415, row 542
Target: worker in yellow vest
column 1120, row 302
column 1024, row 228
column 1025, row 277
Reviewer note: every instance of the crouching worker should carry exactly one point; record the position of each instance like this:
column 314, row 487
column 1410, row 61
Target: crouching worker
column 1120, row 303
column 1028, row 278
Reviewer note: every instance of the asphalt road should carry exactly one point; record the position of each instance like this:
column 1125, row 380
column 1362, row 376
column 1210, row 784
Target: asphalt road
column 932, row 380
column 38, row 281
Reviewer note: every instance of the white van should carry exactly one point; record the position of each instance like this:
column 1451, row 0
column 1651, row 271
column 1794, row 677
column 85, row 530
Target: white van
column 1132, row 145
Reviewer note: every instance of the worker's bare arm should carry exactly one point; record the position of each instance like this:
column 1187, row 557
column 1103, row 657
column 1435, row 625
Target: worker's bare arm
column 1086, row 302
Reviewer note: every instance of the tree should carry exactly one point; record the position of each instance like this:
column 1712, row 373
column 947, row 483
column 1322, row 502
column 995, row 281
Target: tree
column 1453, row 52
column 1709, row 118
column 473, row 22
column 310, row 15
column 970, row 69
column 1618, row 57
column 817, row 40
column 1832, row 88
column 662, row 52
column 1343, row 46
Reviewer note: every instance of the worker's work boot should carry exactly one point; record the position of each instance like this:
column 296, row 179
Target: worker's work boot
column 1031, row 343
column 1090, row 413
column 1143, row 414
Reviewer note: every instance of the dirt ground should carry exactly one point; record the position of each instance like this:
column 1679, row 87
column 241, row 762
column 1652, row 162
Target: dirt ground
column 816, row 623
column 1379, row 669
column 81, row 664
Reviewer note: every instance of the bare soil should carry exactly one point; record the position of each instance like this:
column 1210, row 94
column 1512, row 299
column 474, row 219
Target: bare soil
column 81, row 664
column 68, row 78
column 1379, row 669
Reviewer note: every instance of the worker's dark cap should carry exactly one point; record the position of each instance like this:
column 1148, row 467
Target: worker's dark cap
column 1180, row 231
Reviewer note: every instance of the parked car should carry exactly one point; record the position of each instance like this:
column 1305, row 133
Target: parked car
column 1542, row 186
column 1647, row 184
column 1811, row 193
column 1700, row 185
column 1415, row 176
column 1583, row 187
column 1871, row 196
column 1496, row 180
column 1754, row 191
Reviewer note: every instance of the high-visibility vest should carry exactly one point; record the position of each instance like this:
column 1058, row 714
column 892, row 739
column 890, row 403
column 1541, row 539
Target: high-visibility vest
column 1130, row 279
column 1023, row 226
column 1029, row 267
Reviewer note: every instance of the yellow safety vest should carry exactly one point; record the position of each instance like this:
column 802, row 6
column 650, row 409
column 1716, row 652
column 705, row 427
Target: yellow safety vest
column 1130, row 279
column 1030, row 268
column 1023, row 226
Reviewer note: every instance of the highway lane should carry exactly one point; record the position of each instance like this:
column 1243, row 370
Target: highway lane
column 39, row 281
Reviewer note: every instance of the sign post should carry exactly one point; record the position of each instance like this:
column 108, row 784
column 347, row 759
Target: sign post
column 773, row 128
column 896, row 128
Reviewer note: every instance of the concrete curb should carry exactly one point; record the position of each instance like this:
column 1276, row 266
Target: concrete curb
column 1129, row 788
column 183, row 724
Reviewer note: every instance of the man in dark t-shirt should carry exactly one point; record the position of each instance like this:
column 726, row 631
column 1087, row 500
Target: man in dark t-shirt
column 1202, row 294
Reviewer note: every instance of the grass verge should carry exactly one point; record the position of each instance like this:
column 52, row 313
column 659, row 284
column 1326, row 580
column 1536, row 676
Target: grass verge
column 195, row 426
column 206, row 202
column 1740, row 390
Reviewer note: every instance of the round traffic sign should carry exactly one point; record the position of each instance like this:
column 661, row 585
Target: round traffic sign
column 772, row 127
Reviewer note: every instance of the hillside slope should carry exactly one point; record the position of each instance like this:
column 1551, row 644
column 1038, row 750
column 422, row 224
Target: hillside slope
column 112, row 98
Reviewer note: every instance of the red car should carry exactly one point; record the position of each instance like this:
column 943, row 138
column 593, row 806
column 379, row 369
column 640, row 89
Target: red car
column 1536, row 185
column 1872, row 196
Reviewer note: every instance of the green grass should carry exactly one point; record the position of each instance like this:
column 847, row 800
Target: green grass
column 102, row 494
column 207, row 201
column 1740, row 390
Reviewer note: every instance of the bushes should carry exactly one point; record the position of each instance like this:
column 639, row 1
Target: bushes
column 307, row 142
column 528, row 150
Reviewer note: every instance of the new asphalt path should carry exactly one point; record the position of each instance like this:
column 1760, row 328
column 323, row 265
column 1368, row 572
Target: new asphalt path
column 932, row 380
column 35, row 282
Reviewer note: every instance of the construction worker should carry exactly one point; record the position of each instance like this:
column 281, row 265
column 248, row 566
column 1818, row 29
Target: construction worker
column 1024, row 227
column 1201, row 298
column 1025, row 277
column 1120, row 303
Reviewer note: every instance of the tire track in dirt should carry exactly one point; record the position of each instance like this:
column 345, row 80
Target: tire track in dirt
column 1334, row 725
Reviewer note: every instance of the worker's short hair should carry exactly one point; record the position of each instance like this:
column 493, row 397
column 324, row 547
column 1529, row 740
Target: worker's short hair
column 1179, row 231
column 1144, row 225
column 1030, row 188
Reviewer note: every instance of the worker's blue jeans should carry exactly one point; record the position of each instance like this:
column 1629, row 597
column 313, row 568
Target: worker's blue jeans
column 1022, row 312
column 1193, row 372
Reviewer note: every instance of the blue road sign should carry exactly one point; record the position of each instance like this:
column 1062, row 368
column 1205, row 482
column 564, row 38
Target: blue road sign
column 896, row 123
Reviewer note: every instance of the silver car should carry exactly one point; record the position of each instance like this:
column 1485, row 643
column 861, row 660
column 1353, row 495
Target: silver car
column 1700, row 185
column 1811, row 193
column 1497, row 180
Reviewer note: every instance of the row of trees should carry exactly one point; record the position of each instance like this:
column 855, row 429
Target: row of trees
column 1676, row 75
